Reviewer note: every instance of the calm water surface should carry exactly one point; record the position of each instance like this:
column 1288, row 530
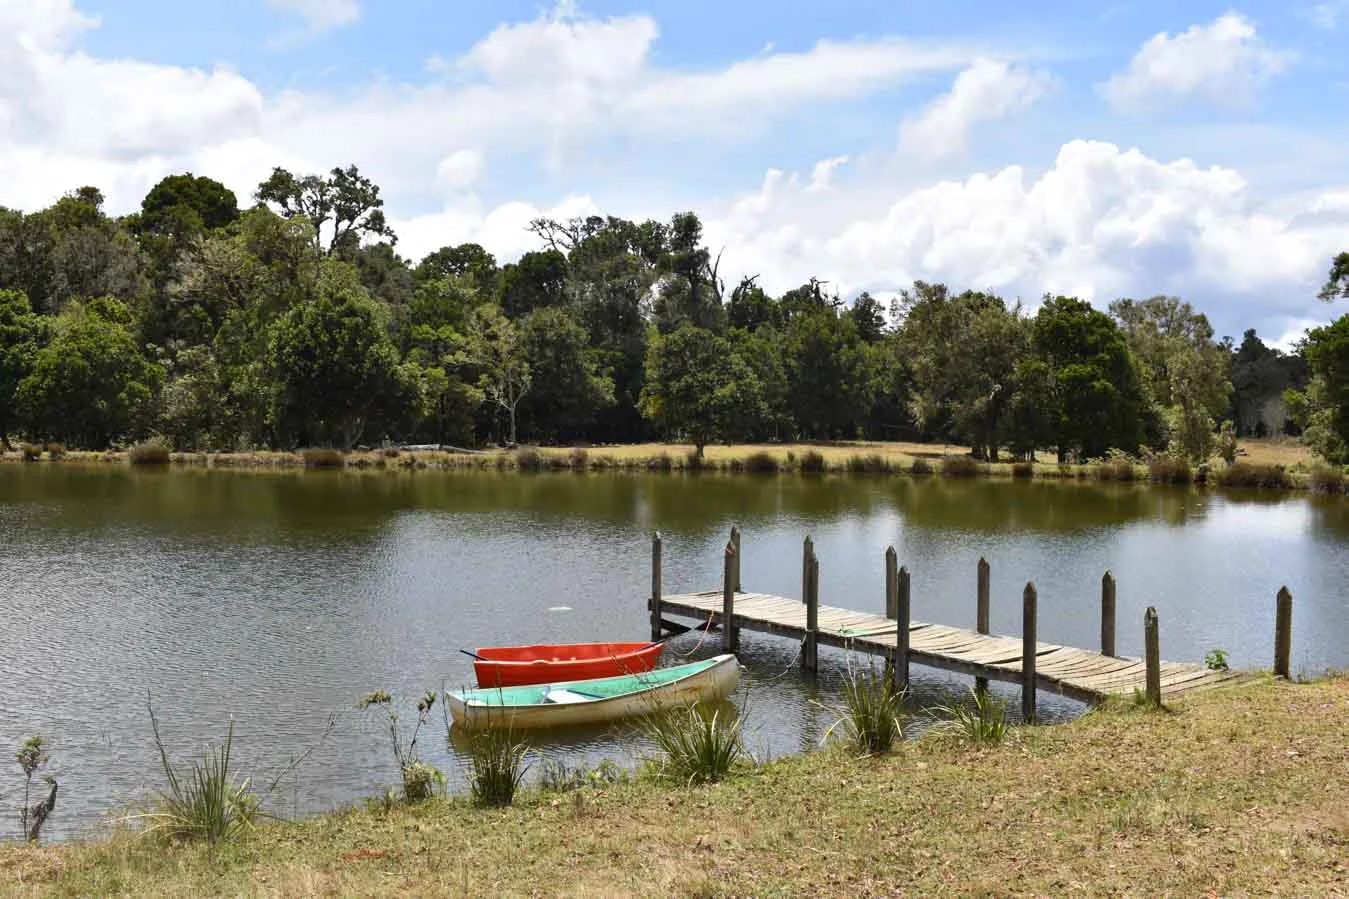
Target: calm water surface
column 279, row 599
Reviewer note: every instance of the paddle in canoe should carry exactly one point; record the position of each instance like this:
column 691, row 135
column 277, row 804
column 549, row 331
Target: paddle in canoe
column 515, row 666
column 596, row 700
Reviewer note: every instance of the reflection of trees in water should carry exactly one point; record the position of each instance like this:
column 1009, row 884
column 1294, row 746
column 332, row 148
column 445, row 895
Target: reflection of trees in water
column 1331, row 514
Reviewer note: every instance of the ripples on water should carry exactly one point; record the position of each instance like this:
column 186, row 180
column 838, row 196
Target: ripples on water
column 279, row 599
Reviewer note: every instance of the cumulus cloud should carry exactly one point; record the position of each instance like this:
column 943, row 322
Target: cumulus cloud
column 1329, row 14
column 1223, row 62
column 987, row 90
column 459, row 170
column 322, row 15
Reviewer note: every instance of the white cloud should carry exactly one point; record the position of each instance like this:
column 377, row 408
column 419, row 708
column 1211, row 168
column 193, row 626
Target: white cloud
column 1223, row 63
column 987, row 90
column 1328, row 15
column 322, row 15
column 822, row 176
column 459, row 170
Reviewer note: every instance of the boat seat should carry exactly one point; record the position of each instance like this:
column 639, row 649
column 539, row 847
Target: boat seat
column 567, row 696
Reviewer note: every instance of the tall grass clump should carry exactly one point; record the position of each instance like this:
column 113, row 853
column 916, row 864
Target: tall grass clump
column 872, row 709
column 1116, row 467
column 1324, row 479
column 959, row 467
column 1023, row 471
column 662, row 463
column 812, row 462
column 696, row 745
column 1170, row 470
column 1248, row 474
column 207, row 802
column 920, row 467
column 419, row 779
column 870, row 464
column 984, row 722
column 497, row 766
column 152, row 452
column 322, row 457
column 578, row 459
column 761, row 463
column 528, row 458
column 56, row 451
column 31, row 451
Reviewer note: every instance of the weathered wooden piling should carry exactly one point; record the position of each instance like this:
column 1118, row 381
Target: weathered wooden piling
column 730, row 634
column 981, row 613
column 891, row 583
column 902, row 616
column 1107, row 614
column 1028, row 649
column 1283, row 633
column 735, row 541
column 810, row 648
column 656, row 590
column 1152, row 657
column 807, row 553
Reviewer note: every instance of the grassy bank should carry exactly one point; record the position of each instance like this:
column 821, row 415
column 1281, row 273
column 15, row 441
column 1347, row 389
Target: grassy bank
column 1236, row 791
column 1266, row 464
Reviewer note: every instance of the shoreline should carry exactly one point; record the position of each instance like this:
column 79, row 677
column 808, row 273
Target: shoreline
column 1265, row 466
column 1236, row 791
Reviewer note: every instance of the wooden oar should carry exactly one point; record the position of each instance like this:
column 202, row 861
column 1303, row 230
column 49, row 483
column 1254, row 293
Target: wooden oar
column 474, row 655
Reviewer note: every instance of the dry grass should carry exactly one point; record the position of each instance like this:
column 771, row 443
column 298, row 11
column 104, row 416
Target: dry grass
column 1240, row 791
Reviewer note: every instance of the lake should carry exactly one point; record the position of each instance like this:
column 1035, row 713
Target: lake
column 279, row 599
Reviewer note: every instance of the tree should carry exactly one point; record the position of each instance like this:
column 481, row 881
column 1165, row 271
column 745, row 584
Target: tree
column 467, row 261
column 689, row 290
column 495, row 347
column 1260, row 375
column 90, row 386
column 346, row 205
column 335, row 371
column 1337, row 283
column 1322, row 410
column 568, row 389
column 21, row 334
column 832, row 382
column 537, row 281
column 1098, row 402
column 696, row 385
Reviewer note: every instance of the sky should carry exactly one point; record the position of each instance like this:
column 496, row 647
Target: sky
column 1100, row 150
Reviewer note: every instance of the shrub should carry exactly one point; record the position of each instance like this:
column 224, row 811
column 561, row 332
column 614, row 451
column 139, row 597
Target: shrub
column 694, row 461
column 1216, row 660
column 529, row 459
column 872, row 711
column 322, row 457
column 812, row 462
column 695, row 746
column 920, row 467
column 761, row 463
column 983, row 722
column 872, row 464
column 31, row 451
column 1326, row 480
column 497, row 765
column 663, row 462
column 1023, row 471
column 959, row 467
column 1118, row 467
column 209, row 803
column 56, row 451
column 149, row 453
column 578, row 459
column 1226, row 442
column 32, row 755
column 1247, row 474
column 1170, row 470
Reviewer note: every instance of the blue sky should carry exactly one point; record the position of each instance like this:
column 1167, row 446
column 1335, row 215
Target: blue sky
column 1105, row 150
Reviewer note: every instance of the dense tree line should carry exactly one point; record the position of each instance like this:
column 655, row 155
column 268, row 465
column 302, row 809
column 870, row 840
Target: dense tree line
column 295, row 322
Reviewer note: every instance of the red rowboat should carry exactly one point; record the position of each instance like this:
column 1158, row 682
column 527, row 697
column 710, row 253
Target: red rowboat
column 516, row 666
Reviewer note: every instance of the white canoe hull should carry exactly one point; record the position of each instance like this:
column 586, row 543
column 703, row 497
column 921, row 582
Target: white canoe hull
column 712, row 683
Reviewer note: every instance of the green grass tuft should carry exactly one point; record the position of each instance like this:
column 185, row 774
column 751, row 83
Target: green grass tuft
column 1324, row 479
column 696, row 745
column 920, row 467
column 322, row 457
column 761, row 463
column 871, row 464
column 1170, row 470
column 959, row 467
column 872, row 711
column 497, row 766
column 983, row 722
column 812, row 462
column 208, row 803
column 152, row 452
column 1248, row 474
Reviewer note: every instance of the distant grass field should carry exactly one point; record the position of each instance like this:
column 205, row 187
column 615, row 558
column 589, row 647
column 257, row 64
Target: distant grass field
column 1231, row 792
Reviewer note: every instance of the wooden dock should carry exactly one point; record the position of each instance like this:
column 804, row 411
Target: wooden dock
column 1082, row 674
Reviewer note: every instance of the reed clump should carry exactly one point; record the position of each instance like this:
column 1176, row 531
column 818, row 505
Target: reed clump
column 1023, row 471
column 497, row 765
column 528, row 458
column 578, row 459
column 1249, row 474
column 661, row 463
column 696, row 745
column 984, row 721
column 208, row 802
column 920, row 468
column 1170, row 470
column 56, row 451
column 868, row 464
column 151, row 452
column 1324, row 479
column 873, row 707
column 959, row 467
column 761, row 463
column 31, row 451
column 812, row 462
column 322, row 457
column 1117, row 468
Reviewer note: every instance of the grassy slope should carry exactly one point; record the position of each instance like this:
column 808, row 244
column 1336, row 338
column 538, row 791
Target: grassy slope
column 1238, row 791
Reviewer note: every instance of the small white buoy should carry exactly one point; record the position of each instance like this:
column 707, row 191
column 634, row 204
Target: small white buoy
column 559, row 608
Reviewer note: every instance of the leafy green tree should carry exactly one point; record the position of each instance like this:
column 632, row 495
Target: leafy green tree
column 345, row 206
column 494, row 345
column 1260, row 375
column 1098, row 400
column 91, row 385
column 466, row 261
column 189, row 202
column 689, row 291
column 335, row 370
column 1337, row 283
column 831, row 375
column 191, row 415
column 698, row 387
column 537, row 281
column 1322, row 409
column 21, row 336
column 750, row 308
column 568, row 389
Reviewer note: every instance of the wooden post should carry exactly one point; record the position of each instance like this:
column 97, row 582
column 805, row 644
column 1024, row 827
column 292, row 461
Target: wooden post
column 735, row 541
column 807, row 553
column 1028, row 644
column 1107, row 614
column 810, row 651
column 901, row 672
column 1152, row 652
column 730, row 636
column 655, row 586
column 891, row 584
column 1283, row 633
column 981, row 614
